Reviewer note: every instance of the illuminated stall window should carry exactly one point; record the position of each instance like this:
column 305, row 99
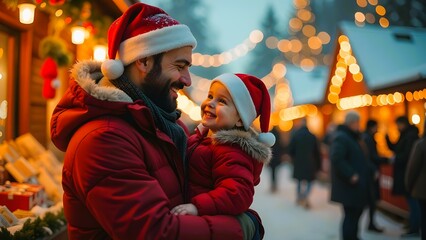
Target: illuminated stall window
column 8, row 59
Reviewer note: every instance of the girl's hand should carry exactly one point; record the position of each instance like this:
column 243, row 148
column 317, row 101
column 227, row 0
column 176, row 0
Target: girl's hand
column 185, row 209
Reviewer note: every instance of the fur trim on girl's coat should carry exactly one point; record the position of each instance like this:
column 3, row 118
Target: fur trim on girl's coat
column 247, row 140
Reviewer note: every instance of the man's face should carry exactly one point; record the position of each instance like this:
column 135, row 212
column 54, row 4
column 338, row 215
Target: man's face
column 162, row 82
column 401, row 127
column 354, row 126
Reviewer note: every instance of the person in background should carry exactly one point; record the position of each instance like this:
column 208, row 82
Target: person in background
column 125, row 145
column 349, row 174
column 306, row 158
column 415, row 178
column 376, row 160
column 277, row 158
column 226, row 155
column 408, row 134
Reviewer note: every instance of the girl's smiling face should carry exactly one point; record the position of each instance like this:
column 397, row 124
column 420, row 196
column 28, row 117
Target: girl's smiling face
column 218, row 110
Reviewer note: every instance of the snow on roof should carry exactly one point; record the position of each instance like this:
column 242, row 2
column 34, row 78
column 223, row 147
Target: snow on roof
column 307, row 87
column 388, row 56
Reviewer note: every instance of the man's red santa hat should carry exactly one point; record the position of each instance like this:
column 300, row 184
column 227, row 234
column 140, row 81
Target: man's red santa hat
column 142, row 31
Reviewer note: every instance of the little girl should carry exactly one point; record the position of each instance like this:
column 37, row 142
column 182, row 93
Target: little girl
column 225, row 154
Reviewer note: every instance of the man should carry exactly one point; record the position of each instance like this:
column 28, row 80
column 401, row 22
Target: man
column 125, row 148
column 306, row 157
column 402, row 149
column 276, row 160
column 415, row 178
column 376, row 160
column 349, row 174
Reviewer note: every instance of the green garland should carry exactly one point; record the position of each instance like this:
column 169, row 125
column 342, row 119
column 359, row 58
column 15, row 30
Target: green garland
column 36, row 229
column 11, row 4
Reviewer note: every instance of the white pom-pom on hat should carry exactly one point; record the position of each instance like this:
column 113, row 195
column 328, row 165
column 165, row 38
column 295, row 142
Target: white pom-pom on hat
column 112, row 69
column 267, row 138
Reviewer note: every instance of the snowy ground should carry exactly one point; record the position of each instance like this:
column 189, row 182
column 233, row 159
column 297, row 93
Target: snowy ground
column 283, row 220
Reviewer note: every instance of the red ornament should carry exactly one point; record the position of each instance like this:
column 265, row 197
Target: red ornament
column 56, row 2
column 49, row 72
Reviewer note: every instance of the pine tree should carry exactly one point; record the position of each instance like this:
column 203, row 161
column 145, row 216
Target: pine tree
column 264, row 57
column 189, row 12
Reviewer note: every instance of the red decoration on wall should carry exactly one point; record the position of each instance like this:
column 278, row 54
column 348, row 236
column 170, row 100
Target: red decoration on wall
column 49, row 72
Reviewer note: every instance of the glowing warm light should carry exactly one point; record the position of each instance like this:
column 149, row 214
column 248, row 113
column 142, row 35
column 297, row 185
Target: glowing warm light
column 1, row 76
column 333, row 98
column 373, row 2
column 334, row 89
column 26, row 13
column 416, row 96
column 337, row 81
column 384, row 22
column 304, row 15
column 284, row 45
column 296, row 45
column 354, row 68
column 314, row 42
column 100, row 53
column 59, row 12
column 380, row 10
column 285, row 126
column 256, row 36
column 78, row 35
column 343, row 38
column 325, row 37
column 409, row 96
column 358, row 77
column 309, row 30
column 341, row 72
column 361, row 3
column 300, row 3
column 307, row 64
column 272, row 42
column 398, row 97
column 415, row 118
column 194, row 113
column 295, row 24
column 279, row 70
column 345, row 46
column 3, row 110
column 359, row 17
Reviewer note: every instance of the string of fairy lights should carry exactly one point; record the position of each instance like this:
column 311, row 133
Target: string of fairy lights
column 305, row 52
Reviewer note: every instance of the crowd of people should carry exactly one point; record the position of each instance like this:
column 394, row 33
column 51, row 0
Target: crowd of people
column 355, row 170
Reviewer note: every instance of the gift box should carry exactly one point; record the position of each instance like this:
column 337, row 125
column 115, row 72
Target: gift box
column 21, row 196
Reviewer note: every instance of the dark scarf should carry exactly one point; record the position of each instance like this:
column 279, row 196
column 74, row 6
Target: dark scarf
column 165, row 121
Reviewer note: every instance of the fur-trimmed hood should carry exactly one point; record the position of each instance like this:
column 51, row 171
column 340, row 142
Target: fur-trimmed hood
column 89, row 76
column 248, row 142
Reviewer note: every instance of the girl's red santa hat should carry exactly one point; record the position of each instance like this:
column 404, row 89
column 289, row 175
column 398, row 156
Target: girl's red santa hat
column 251, row 98
column 142, row 31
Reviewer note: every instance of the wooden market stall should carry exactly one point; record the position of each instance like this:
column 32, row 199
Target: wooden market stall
column 36, row 52
column 381, row 73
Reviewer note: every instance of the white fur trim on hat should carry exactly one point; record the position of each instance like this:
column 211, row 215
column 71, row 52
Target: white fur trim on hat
column 154, row 42
column 267, row 138
column 241, row 97
column 112, row 69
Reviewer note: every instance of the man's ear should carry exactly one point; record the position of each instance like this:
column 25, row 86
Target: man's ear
column 142, row 64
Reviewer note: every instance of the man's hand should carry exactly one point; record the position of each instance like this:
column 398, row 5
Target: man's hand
column 185, row 209
column 354, row 178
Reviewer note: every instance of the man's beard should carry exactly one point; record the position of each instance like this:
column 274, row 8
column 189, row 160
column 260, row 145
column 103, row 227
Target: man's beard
column 158, row 90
